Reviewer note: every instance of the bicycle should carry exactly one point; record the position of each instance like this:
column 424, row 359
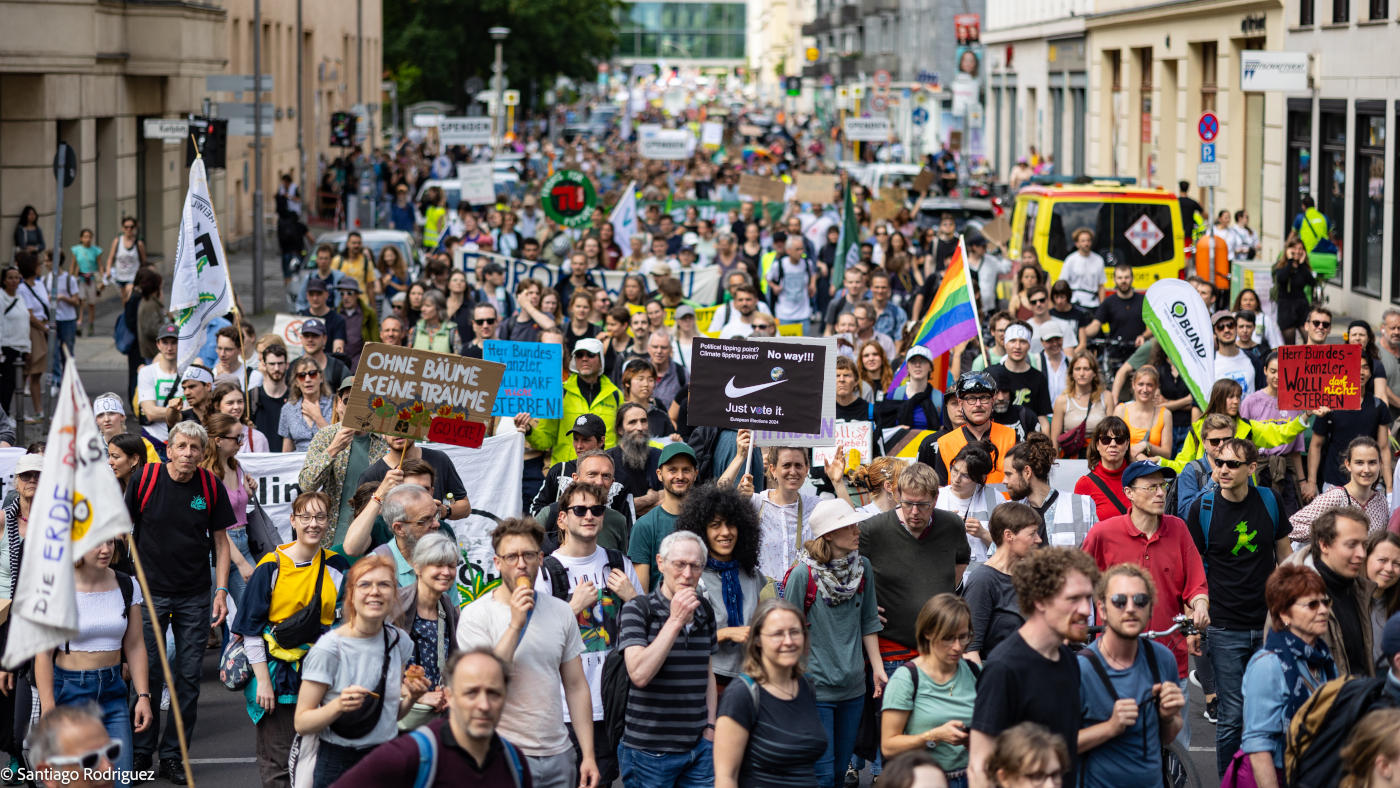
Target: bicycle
column 1111, row 354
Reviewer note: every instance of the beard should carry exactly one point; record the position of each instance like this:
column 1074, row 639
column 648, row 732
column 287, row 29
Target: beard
column 635, row 449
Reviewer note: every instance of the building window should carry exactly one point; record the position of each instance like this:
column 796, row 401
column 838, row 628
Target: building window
column 1299, row 158
column 1380, row 9
column 1332, row 173
column 682, row 30
column 1115, row 66
column 1341, row 12
column 1306, row 13
column 1368, row 190
column 1209, row 70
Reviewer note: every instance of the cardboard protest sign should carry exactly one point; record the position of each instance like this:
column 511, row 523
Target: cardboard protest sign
column 998, row 231
column 816, row 188
column 1313, row 376
column 533, row 382
column 750, row 130
column 882, row 210
column 712, row 134
column 850, row 436
column 923, row 180
column 739, row 384
column 761, row 188
column 288, row 327
column 403, row 391
column 893, row 194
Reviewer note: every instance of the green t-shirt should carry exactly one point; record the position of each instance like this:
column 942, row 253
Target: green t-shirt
column 936, row 704
column 86, row 257
column 647, row 534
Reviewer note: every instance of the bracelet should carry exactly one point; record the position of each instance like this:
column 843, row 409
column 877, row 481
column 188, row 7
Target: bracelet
column 221, row 588
column 710, row 725
column 377, row 499
column 145, row 695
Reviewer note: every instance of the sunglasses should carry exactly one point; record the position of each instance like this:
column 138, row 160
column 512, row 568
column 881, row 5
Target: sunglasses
column 584, row 354
column 128, row 227
column 1233, row 464
column 1120, row 601
column 1216, row 441
column 112, row 750
column 490, row 321
column 1225, row 325
column 1035, row 301
column 596, row 510
column 1314, row 604
column 1111, row 440
column 28, row 476
column 1320, row 324
column 308, row 375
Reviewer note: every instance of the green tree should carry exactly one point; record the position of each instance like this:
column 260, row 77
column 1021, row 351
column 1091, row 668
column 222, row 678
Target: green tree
column 434, row 46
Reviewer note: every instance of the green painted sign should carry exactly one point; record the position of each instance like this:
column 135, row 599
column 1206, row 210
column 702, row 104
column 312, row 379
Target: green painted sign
column 568, row 197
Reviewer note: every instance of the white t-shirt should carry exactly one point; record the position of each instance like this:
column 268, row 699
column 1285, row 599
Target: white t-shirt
column 1237, row 368
column 1085, row 274
column 67, row 286
column 591, row 624
column 979, row 506
column 340, row 661
column 155, row 384
column 533, row 719
column 792, row 305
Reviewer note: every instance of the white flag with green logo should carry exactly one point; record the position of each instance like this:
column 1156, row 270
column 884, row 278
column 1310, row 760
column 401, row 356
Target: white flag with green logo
column 1180, row 321
column 200, row 290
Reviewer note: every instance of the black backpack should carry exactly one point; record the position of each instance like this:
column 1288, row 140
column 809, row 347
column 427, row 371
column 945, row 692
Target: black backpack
column 1201, row 470
column 559, row 582
column 616, row 685
column 1312, row 756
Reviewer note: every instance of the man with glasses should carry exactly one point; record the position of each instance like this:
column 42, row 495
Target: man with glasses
column 1231, row 363
column 667, row 638
column 588, row 390
column 1038, row 297
column 485, row 324
column 411, row 513
column 1160, row 543
column 71, row 747
column 1317, row 329
column 596, row 582
column 1196, row 476
column 975, row 392
column 1238, row 533
column 539, row 636
column 1130, row 711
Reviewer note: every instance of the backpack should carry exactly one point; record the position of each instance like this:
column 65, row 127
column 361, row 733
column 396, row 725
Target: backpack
column 1208, row 506
column 1201, row 470
column 1312, row 755
column 150, row 473
column 1097, row 664
column 427, row 742
column 616, row 686
column 914, row 674
column 559, row 582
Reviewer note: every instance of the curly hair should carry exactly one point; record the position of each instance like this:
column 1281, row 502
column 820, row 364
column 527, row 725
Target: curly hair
column 708, row 503
column 1038, row 451
column 1041, row 575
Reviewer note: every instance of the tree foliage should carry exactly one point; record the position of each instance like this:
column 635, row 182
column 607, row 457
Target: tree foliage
column 433, row 46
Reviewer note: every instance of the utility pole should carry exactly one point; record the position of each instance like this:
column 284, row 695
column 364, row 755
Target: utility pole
column 301, row 117
column 257, row 160
column 499, row 69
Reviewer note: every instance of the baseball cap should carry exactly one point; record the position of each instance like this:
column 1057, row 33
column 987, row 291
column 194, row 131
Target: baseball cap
column 167, row 331
column 589, row 425
column 918, row 351
column 28, row 463
column 677, row 449
column 108, row 403
column 349, row 284
column 1143, row 468
column 588, row 345
column 348, row 382
column 685, row 310
column 315, row 284
column 831, row 514
column 313, row 325
column 1050, row 330
column 1221, row 315
column 690, row 239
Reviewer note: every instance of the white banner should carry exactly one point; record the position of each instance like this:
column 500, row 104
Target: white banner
column 492, row 475
column 698, row 284
column 1180, row 321
column 77, row 506
column 288, row 327
column 200, row 289
column 850, row 435
column 478, row 188
column 624, row 217
column 867, row 129
column 711, row 134
column 667, row 145
column 464, row 131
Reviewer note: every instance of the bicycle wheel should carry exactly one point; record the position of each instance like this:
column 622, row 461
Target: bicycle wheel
column 1179, row 767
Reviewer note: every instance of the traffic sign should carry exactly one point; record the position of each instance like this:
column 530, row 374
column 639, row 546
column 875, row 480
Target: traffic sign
column 1207, row 152
column 919, row 116
column 1208, row 174
column 882, row 79
column 858, row 92
column 568, row 198
column 162, row 129
column 1208, row 127
column 510, row 98
column 879, row 103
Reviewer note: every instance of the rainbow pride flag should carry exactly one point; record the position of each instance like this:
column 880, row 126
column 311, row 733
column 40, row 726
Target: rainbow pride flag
column 951, row 320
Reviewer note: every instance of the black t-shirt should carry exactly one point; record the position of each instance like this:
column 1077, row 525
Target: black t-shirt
column 1173, row 386
column 1017, row 417
column 1076, row 316
column 1029, row 388
column 1340, row 426
column 785, row 736
column 445, row 478
column 268, row 414
column 858, row 410
column 1239, row 558
column 1019, row 685
column 636, row 482
column 1123, row 316
column 995, row 612
column 175, row 528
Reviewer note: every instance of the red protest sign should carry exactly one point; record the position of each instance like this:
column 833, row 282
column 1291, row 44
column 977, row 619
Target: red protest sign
column 456, row 432
column 1311, row 376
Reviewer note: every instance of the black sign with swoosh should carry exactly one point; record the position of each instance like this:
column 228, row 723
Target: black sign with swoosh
column 745, row 384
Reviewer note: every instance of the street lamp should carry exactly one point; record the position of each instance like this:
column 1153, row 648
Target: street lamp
column 498, row 34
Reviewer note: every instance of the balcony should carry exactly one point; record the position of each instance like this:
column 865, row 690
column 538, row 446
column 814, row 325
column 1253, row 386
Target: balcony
column 848, row 14
column 873, row 7
column 817, row 26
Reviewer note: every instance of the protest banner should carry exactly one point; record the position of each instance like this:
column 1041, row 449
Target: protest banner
column 998, row 231
column 703, row 316
column 760, row 188
column 739, row 384
column 403, row 391
column 825, row 435
column 1314, row 376
column 288, row 327
column 749, row 130
column 850, row 436
column 867, row 129
column 464, row 131
column 697, row 284
column 491, row 474
column 533, row 381
column 666, row 145
column 816, row 188
column 478, row 186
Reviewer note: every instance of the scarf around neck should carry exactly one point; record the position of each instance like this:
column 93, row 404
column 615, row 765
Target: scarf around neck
column 837, row 580
column 1294, row 654
column 730, row 589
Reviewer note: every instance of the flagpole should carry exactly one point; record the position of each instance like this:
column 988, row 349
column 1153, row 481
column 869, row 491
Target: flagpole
column 159, row 636
column 971, row 292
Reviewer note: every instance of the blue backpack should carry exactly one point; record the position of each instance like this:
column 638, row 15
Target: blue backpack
column 1208, row 505
column 427, row 742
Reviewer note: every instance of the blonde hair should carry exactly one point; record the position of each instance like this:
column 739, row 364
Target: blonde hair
column 1377, row 735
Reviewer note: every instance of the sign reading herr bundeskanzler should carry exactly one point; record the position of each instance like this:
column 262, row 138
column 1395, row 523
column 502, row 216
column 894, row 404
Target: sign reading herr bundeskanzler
column 740, row 384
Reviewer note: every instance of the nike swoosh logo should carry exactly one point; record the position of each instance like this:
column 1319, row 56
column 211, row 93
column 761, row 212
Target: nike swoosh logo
column 730, row 390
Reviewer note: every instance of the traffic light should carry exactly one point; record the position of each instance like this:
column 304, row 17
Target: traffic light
column 342, row 130
column 210, row 134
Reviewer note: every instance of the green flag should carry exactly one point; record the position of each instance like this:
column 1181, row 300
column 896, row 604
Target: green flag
column 850, row 236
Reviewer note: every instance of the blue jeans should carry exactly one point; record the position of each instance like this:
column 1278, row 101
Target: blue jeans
column 105, row 688
column 841, row 721
column 238, row 540
column 693, row 769
column 188, row 617
column 67, row 335
column 1230, row 651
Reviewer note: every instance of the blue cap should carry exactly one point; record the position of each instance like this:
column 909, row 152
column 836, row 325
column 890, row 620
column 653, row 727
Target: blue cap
column 1143, row 468
column 313, row 325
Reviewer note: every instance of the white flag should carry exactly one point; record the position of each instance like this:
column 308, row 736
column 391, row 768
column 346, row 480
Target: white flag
column 78, row 505
column 1180, row 321
column 624, row 218
column 200, row 291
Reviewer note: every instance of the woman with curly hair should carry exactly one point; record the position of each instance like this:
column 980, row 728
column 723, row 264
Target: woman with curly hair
column 879, row 478
column 731, row 581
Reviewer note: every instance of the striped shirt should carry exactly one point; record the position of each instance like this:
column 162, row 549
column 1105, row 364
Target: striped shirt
column 669, row 713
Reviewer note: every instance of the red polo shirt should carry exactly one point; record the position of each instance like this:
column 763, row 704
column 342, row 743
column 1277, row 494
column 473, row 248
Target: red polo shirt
column 1168, row 555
